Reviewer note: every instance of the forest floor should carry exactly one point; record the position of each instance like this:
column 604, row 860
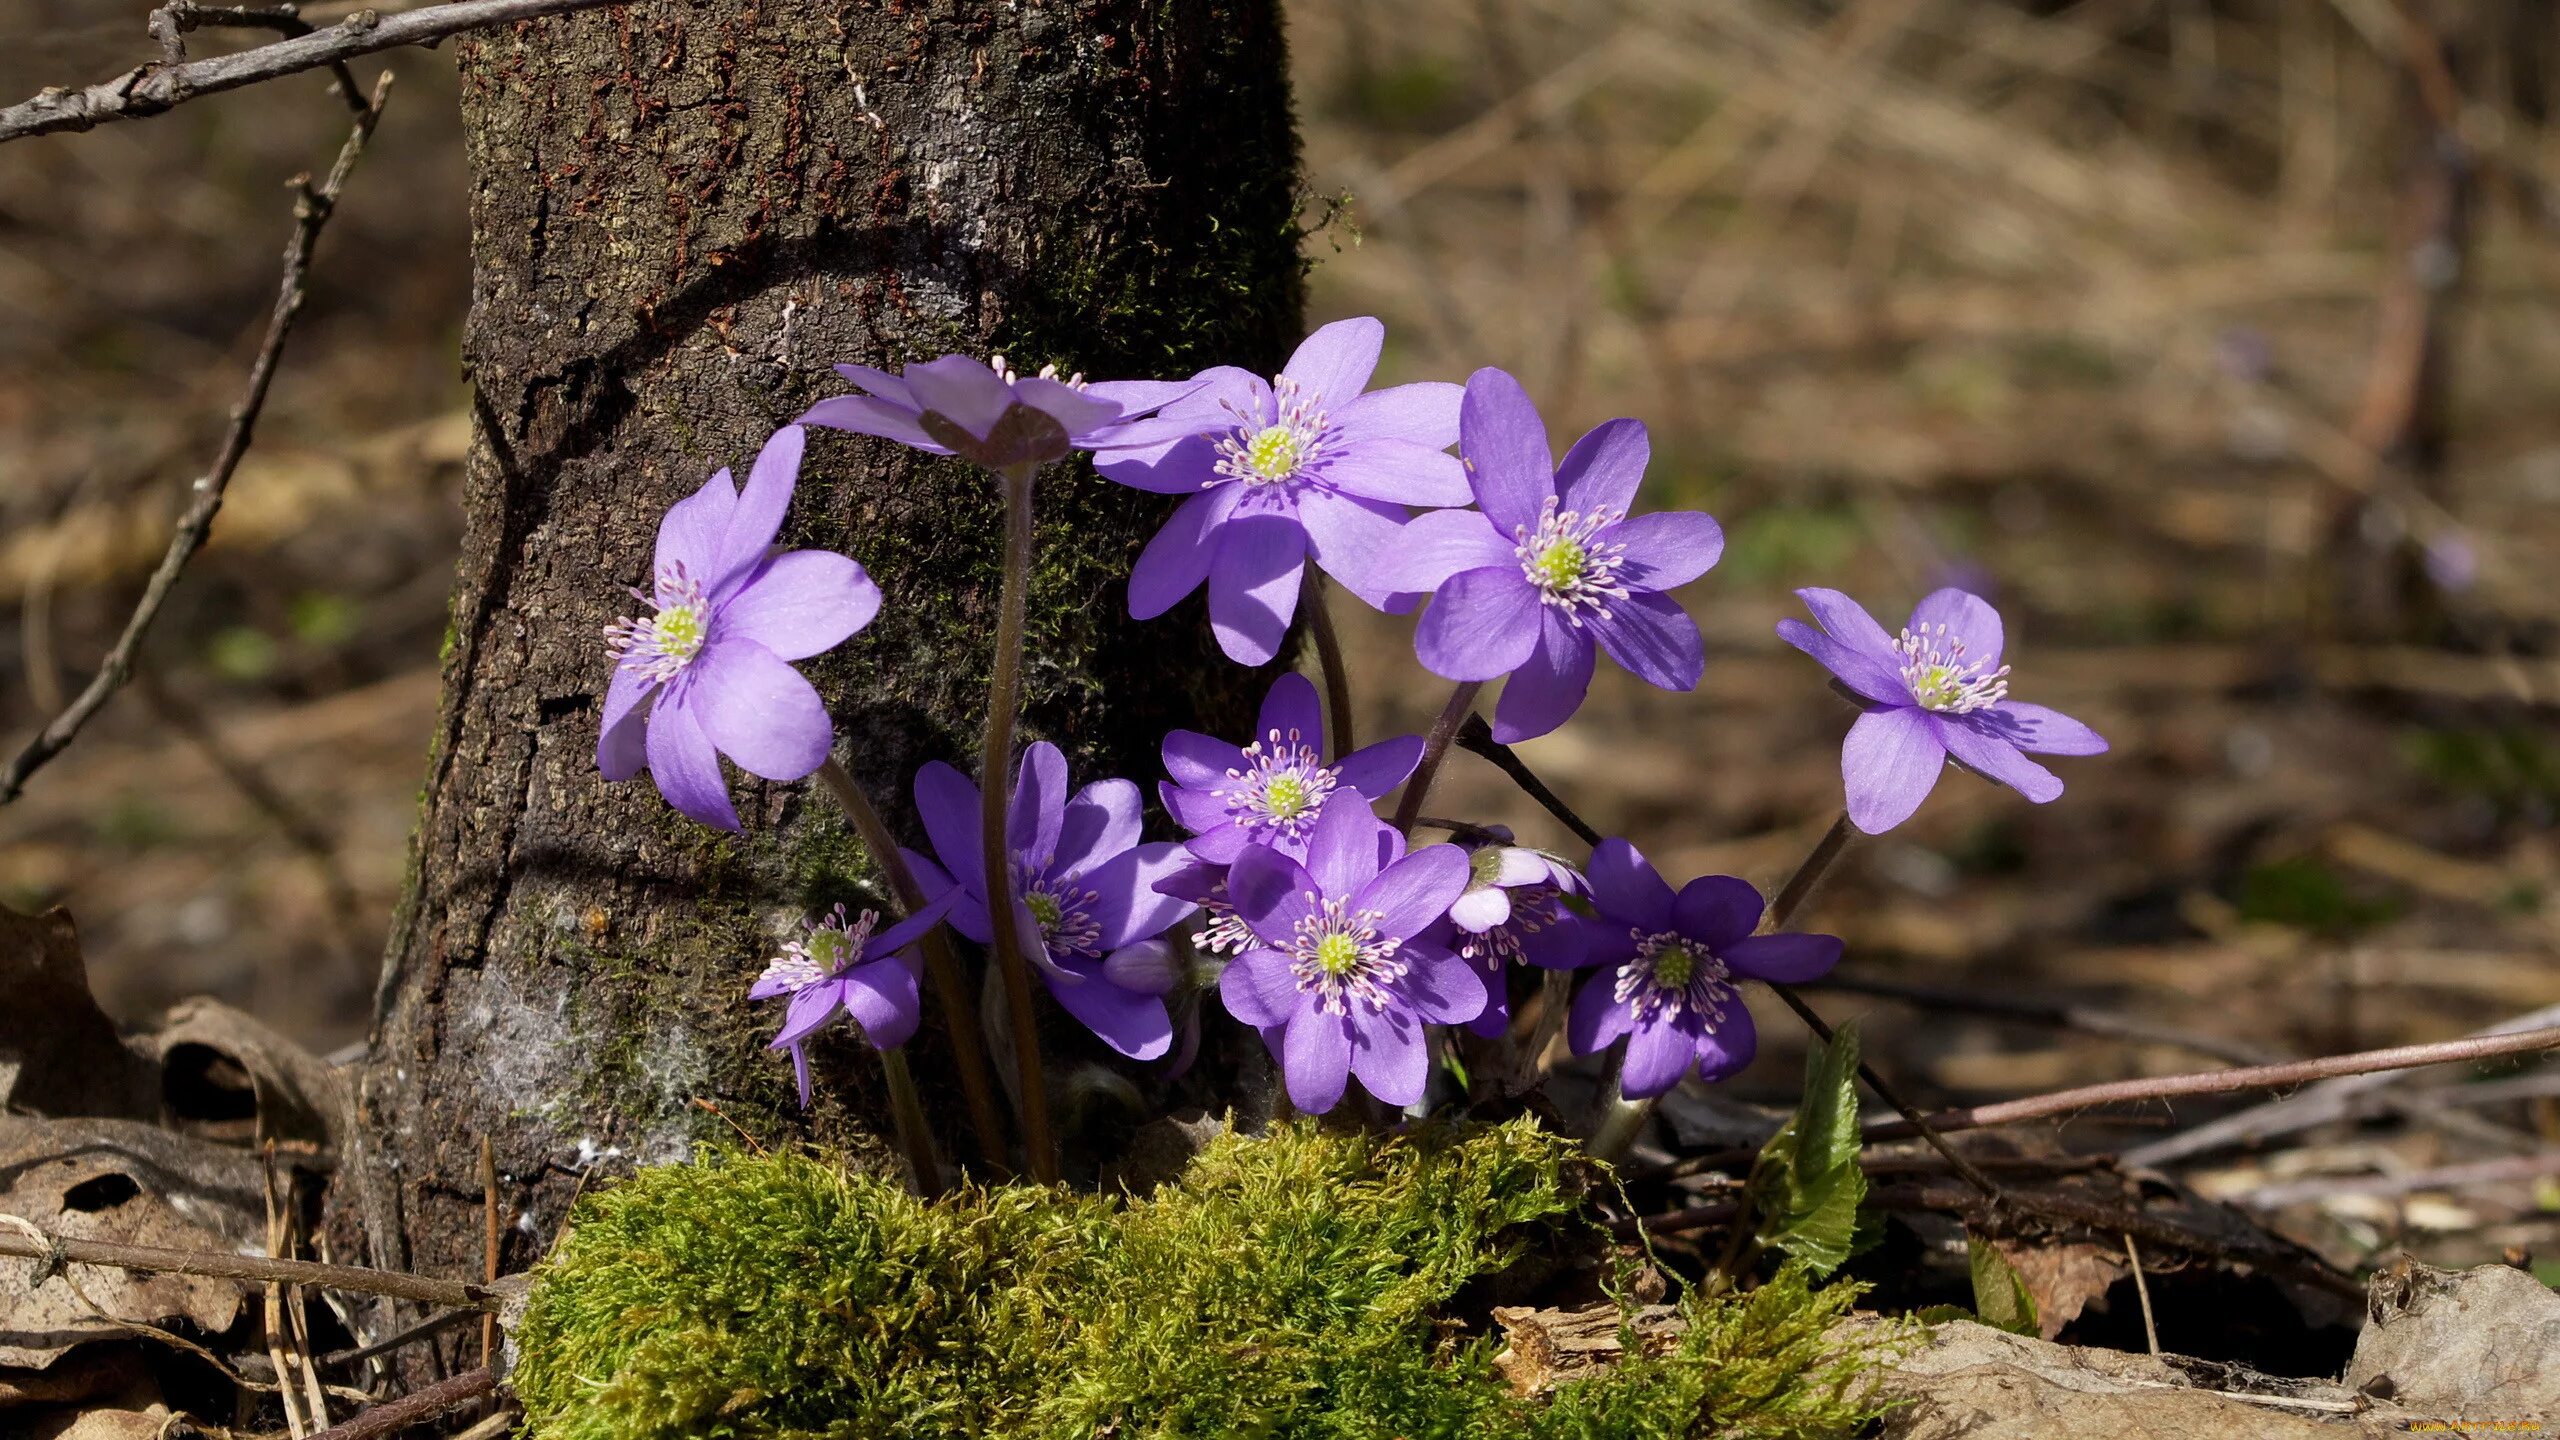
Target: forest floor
column 2084, row 312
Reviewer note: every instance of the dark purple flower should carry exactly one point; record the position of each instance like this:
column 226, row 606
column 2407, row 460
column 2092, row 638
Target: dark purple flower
column 1668, row 970
column 1937, row 690
column 982, row 411
column 708, row 674
column 840, row 965
column 1551, row 564
column 1513, row 913
column 1274, row 790
column 1303, row 466
column 1084, row 889
column 1342, row 980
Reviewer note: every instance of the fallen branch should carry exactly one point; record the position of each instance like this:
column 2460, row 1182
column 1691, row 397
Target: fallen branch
column 2087, row 1019
column 418, row 1407
column 312, row 209
column 2223, row 1082
column 252, row 1269
column 150, row 89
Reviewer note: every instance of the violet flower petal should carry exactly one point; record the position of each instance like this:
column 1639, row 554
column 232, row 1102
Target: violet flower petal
column 1253, row 585
column 1604, row 467
column 1433, row 547
column 1353, row 540
column 757, row 518
column 1653, row 639
column 1104, row 819
column 1258, row 988
column 1545, row 691
column 882, row 999
column 1400, row 472
column 1038, row 806
column 691, row 532
column 1991, row 756
column 864, row 415
column 1316, row 1058
column 1716, row 910
column 1875, row 678
column 1138, row 1026
column 1561, row 944
column 1666, row 548
column 1968, row 618
column 1389, row 1056
column 622, row 734
column 1658, row 1055
column 1333, row 365
column 1127, row 907
column 809, row 1009
column 802, row 603
column 1443, row 988
column 1727, row 1050
column 1425, row 413
column 1291, row 712
column 966, row 392
column 1197, row 761
column 686, row 767
column 1598, row 1017
column 1177, row 557
column 1888, row 765
column 1626, row 887
column 947, row 801
column 881, row 383
column 1373, row 770
column 759, row 711
column 1271, row 892
column 1506, row 444
column 1483, row 625
column 2039, row 730
column 1414, row 892
column 1347, row 849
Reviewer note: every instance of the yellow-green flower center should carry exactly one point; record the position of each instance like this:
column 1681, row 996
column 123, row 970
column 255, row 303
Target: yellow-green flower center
column 1044, row 910
column 1560, row 565
column 1273, row 452
column 681, row 631
column 828, row 949
column 1337, row 955
column 1285, row 798
column 1674, row 968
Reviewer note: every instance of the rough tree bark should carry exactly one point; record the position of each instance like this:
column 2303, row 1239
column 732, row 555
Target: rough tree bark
column 681, row 214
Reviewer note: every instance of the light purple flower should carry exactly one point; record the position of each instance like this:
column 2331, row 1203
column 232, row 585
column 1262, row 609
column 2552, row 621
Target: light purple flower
column 1084, row 890
column 1551, row 565
column 1343, row 978
column 708, row 674
column 1305, row 466
column 1513, row 913
column 840, row 965
column 1936, row 690
column 1274, row 790
column 984, row 412
column 1669, row 967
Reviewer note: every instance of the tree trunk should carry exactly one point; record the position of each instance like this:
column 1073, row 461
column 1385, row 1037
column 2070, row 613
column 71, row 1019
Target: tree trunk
column 681, row 214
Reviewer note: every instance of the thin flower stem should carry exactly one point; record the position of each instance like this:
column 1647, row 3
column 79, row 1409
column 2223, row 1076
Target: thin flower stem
column 915, row 1134
column 1477, row 736
column 1435, row 748
column 995, row 764
column 1337, row 677
column 950, row 986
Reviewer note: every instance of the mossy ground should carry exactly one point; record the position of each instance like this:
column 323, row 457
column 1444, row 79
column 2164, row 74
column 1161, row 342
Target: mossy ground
column 1297, row 1284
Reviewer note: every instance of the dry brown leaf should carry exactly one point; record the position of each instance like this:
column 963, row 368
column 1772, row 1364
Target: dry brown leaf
column 2062, row 1275
column 117, row 1180
column 59, row 1054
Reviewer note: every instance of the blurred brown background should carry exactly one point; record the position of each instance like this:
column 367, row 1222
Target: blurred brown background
column 2213, row 339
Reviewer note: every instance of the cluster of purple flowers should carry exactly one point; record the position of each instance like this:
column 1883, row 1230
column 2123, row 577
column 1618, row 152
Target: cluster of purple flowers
column 1317, row 923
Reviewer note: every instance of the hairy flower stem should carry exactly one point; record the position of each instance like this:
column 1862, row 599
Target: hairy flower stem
column 995, row 764
column 950, row 989
column 915, row 1133
column 1337, row 677
column 1435, row 748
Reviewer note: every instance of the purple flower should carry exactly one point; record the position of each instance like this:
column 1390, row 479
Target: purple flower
column 1305, row 465
column 1669, row 967
column 982, row 411
column 1273, row 791
column 1084, row 890
column 1551, row 564
column 1937, row 690
column 837, row 964
column 707, row 674
column 1342, row 980
column 1513, row 913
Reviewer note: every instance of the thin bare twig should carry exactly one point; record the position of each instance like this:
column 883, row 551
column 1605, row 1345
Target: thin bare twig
column 150, row 89
column 2088, row 1019
column 171, row 23
column 2505, row 1170
column 2226, row 1082
column 416, row 1408
column 1477, row 736
column 253, row 1269
column 312, row 209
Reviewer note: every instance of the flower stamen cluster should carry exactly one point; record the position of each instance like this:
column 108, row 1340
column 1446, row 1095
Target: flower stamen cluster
column 823, row 949
column 1273, row 449
column 1338, row 957
column 1005, row 373
column 659, row 646
column 1562, row 560
column 1672, row 975
column 1534, row 909
column 1062, row 910
column 1281, row 786
column 1941, row 678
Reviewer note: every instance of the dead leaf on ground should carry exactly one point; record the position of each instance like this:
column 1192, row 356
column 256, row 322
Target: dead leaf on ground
column 60, row 1054
column 122, row 1181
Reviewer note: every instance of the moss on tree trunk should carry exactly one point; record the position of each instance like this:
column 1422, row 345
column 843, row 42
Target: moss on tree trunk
column 681, row 214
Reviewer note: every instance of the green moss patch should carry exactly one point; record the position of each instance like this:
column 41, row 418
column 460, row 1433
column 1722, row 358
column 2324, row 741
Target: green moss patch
column 1296, row 1284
